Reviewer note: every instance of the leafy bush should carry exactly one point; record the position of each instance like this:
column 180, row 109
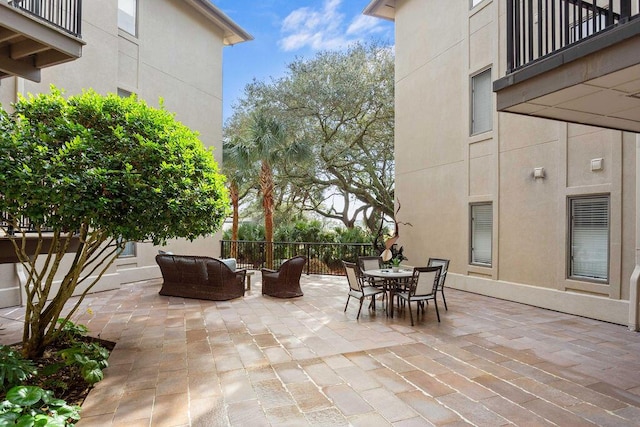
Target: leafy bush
column 33, row 406
column 14, row 369
column 104, row 170
column 91, row 358
column 70, row 331
column 353, row 235
column 248, row 231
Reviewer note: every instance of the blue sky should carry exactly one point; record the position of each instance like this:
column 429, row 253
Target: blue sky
column 287, row 29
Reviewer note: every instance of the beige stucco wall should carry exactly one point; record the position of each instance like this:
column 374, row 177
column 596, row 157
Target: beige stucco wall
column 441, row 169
column 177, row 56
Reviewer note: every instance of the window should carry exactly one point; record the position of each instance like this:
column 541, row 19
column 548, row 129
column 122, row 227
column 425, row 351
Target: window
column 481, row 103
column 123, row 93
column 481, row 233
column 474, row 3
column 127, row 15
column 128, row 251
column 589, row 235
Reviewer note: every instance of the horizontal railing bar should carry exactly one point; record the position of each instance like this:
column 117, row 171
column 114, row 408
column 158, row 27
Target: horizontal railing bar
column 322, row 258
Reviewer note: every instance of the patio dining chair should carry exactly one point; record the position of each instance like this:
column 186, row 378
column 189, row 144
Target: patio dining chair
column 444, row 263
column 371, row 263
column 358, row 288
column 423, row 287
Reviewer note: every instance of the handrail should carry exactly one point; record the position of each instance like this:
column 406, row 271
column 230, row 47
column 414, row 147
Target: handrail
column 12, row 225
column 63, row 14
column 322, row 258
column 538, row 28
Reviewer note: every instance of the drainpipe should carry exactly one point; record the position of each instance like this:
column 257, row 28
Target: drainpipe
column 634, row 282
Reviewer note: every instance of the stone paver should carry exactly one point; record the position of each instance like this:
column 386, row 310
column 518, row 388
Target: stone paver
column 304, row 362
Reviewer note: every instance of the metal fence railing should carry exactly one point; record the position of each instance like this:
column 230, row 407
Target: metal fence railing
column 537, row 28
column 322, row 258
column 22, row 225
column 63, row 14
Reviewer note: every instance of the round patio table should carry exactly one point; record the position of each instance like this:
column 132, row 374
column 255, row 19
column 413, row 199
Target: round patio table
column 391, row 281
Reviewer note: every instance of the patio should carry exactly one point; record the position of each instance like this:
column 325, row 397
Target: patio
column 263, row 361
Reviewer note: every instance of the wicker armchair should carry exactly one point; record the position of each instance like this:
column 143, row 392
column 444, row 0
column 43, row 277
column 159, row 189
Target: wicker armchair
column 284, row 282
column 200, row 277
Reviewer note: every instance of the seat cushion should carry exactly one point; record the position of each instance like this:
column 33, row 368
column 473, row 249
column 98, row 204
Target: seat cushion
column 230, row 262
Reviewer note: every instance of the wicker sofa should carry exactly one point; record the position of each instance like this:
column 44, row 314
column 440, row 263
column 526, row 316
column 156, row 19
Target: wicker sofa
column 200, row 277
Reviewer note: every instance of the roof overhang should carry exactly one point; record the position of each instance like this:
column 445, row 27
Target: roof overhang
column 233, row 33
column 385, row 9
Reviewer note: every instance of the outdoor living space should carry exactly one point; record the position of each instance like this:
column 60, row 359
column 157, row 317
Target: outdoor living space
column 259, row 360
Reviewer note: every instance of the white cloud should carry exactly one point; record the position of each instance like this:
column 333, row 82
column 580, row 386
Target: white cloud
column 324, row 28
column 363, row 24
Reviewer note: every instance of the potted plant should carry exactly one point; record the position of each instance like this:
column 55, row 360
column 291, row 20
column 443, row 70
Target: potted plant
column 397, row 257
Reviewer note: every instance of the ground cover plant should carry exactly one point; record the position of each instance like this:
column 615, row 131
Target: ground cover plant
column 49, row 389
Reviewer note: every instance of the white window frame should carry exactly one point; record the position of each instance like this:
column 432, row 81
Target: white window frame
column 481, row 234
column 589, row 236
column 124, row 24
column 481, row 114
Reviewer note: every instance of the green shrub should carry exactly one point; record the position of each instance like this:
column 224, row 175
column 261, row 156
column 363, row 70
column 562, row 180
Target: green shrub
column 70, row 331
column 105, row 170
column 91, row 358
column 14, row 369
column 33, row 406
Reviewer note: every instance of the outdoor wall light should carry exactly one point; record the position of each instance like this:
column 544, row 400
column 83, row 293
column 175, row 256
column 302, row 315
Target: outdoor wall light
column 596, row 164
column 538, row 173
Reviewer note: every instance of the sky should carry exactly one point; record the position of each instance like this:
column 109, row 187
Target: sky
column 284, row 30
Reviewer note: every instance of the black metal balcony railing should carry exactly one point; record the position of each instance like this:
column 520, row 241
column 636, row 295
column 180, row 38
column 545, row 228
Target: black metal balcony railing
column 24, row 225
column 322, row 258
column 537, row 28
column 63, row 14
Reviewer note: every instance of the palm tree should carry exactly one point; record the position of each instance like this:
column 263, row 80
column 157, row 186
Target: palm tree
column 238, row 173
column 265, row 144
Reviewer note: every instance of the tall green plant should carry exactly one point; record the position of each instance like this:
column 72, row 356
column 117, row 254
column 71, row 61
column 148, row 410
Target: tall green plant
column 240, row 177
column 98, row 171
column 264, row 142
column 14, row 369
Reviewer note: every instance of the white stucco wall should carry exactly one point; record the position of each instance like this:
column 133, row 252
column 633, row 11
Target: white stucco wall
column 441, row 169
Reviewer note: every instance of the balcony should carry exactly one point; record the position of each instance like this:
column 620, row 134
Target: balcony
column 572, row 60
column 35, row 34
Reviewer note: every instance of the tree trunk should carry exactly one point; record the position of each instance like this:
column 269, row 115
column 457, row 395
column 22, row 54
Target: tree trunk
column 233, row 194
column 266, row 187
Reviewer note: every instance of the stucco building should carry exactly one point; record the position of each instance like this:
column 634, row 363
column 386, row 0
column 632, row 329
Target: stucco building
column 165, row 49
column 528, row 209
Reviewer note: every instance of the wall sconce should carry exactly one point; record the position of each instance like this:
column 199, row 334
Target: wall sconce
column 538, row 173
column 597, row 164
